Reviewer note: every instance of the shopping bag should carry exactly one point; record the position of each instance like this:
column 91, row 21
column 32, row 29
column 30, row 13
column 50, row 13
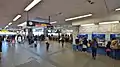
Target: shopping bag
column 88, row 45
column 84, row 46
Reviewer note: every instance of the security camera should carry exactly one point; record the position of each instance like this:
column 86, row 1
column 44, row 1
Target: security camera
column 90, row 1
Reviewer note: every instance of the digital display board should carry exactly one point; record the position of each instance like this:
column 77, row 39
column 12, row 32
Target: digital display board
column 100, row 36
column 83, row 36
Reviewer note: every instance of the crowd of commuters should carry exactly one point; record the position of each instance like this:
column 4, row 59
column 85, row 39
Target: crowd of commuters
column 84, row 43
column 67, row 38
column 113, row 44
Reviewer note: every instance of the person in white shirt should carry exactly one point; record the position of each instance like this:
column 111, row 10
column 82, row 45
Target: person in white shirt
column 47, row 43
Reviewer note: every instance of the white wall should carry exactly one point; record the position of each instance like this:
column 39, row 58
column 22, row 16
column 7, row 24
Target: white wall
column 111, row 17
column 109, row 28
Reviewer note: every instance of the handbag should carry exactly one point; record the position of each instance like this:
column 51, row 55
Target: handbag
column 108, row 50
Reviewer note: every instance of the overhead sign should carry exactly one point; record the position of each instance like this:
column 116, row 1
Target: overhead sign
column 36, row 24
column 41, row 25
column 4, row 30
column 30, row 23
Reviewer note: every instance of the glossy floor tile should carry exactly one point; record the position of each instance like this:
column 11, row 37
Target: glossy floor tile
column 24, row 55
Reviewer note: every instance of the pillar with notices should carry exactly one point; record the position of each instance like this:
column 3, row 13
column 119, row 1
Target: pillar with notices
column 75, row 33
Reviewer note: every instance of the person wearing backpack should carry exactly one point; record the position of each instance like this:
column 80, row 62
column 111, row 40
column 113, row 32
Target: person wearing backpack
column 94, row 46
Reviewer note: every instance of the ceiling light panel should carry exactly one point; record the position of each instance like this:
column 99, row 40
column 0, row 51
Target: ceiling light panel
column 79, row 17
column 17, row 17
column 6, row 26
column 112, row 22
column 10, row 23
column 87, row 24
column 118, row 9
column 31, row 5
column 53, row 22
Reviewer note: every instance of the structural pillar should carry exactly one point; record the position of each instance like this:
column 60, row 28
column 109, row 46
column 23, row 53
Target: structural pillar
column 30, row 32
column 75, row 33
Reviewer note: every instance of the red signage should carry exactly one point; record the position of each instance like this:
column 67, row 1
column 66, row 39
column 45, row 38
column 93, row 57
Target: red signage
column 41, row 25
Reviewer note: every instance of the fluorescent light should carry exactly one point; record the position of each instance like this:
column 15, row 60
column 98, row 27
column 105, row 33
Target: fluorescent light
column 22, row 24
column 10, row 23
column 109, row 22
column 53, row 22
column 17, row 17
column 6, row 26
column 74, row 18
column 88, row 24
column 118, row 9
column 30, row 6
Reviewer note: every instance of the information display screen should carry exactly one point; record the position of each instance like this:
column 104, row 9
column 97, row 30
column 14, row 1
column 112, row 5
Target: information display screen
column 83, row 36
column 99, row 36
column 114, row 36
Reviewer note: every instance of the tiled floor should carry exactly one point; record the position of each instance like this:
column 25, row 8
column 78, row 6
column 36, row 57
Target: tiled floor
column 23, row 55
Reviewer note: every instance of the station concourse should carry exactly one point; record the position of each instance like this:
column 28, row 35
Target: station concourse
column 60, row 33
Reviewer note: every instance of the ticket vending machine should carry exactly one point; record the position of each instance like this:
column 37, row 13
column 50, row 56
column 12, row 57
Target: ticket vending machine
column 100, row 38
column 81, row 36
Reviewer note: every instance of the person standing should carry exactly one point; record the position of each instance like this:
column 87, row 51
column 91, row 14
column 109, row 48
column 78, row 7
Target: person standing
column 108, row 49
column 59, row 38
column 19, row 39
column 85, row 42
column 0, row 46
column 94, row 47
column 114, row 47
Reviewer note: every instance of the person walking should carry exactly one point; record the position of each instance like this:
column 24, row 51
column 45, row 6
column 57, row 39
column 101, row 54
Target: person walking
column 62, row 40
column 47, row 43
column 94, row 47
column 0, row 46
column 35, row 41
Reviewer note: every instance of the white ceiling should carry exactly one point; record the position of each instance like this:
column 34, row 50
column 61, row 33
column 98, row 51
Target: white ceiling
column 69, row 8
